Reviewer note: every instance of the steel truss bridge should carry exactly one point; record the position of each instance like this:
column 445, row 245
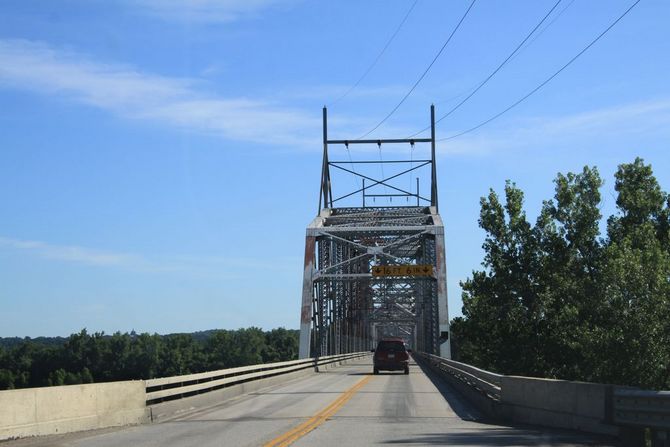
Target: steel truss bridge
column 375, row 271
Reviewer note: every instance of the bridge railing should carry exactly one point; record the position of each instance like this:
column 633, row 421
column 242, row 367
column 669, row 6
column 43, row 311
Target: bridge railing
column 479, row 379
column 642, row 408
column 177, row 387
column 592, row 407
column 69, row 408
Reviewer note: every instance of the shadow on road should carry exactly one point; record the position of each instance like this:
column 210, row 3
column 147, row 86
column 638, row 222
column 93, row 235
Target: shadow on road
column 499, row 437
column 461, row 407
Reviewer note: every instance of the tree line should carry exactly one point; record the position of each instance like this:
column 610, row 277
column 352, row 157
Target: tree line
column 87, row 358
column 559, row 299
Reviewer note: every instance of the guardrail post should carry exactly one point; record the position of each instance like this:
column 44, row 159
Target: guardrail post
column 660, row 438
column 609, row 405
column 632, row 436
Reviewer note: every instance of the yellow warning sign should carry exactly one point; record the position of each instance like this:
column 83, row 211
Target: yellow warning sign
column 402, row 270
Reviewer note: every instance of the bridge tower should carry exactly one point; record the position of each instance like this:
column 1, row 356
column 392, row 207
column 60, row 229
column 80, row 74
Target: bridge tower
column 375, row 270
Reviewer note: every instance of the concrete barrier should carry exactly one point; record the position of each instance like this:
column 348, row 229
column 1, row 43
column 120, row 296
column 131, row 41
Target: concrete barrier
column 579, row 406
column 556, row 403
column 63, row 409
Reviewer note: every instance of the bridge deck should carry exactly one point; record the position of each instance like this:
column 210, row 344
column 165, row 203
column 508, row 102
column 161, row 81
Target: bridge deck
column 391, row 409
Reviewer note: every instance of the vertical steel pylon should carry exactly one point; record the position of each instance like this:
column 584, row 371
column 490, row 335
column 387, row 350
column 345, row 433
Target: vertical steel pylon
column 375, row 271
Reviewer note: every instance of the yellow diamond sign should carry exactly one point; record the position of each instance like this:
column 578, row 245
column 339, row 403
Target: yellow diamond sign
column 403, row 270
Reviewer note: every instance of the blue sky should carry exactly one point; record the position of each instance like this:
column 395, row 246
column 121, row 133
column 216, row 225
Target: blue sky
column 160, row 160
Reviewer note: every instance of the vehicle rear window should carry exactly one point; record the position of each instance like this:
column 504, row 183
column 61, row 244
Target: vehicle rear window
column 391, row 345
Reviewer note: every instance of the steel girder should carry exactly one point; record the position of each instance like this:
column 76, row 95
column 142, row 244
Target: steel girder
column 345, row 308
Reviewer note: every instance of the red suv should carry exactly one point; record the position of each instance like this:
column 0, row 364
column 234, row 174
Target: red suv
column 391, row 355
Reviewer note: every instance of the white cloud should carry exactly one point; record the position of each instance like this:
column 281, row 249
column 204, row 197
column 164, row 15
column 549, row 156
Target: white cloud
column 255, row 265
column 625, row 120
column 71, row 253
column 205, row 11
column 182, row 103
column 133, row 94
column 201, row 266
column 212, row 70
column 331, row 93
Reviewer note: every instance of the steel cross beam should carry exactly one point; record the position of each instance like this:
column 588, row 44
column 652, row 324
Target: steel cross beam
column 345, row 306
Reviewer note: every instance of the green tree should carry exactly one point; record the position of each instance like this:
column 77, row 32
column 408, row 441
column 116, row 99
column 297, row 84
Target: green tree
column 86, row 376
column 281, row 345
column 221, row 350
column 84, row 357
column 501, row 302
column 557, row 300
column 249, row 346
column 182, row 355
column 6, row 379
column 640, row 201
column 636, row 324
column 571, row 255
column 57, row 377
column 116, row 363
column 144, row 357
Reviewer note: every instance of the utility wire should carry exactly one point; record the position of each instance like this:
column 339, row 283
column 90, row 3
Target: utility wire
column 551, row 22
column 411, row 168
column 353, row 169
column 453, row 99
column 423, row 75
column 381, row 166
column 493, row 73
column 374, row 63
column 546, row 81
column 535, row 37
column 395, row 33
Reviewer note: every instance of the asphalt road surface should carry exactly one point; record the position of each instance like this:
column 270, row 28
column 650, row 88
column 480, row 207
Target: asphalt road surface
column 345, row 406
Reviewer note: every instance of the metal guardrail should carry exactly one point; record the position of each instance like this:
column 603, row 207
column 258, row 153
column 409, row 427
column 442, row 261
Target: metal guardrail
column 628, row 407
column 485, row 381
column 170, row 388
column 641, row 408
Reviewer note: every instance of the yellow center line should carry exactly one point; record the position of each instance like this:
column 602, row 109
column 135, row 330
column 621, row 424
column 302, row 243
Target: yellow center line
column 310, row 424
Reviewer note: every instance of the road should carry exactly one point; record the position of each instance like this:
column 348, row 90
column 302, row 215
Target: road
column 342, row 406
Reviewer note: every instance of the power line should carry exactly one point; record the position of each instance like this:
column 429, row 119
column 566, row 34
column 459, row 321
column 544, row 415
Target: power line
column 378, row 56
column 535, row 37
column 546, row 81
column 556, row 17
column 381, row 166
column 423, row 75
column 353, row 169
column 452, row 99
column 374, row 63
column 493, row 73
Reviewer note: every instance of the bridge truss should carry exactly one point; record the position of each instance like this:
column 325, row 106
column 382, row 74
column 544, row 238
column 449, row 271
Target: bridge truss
column 375, row 271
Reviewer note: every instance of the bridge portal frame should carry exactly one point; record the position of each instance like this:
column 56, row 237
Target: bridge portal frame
column 344, row 306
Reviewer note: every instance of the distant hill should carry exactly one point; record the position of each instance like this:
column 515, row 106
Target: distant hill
column 10, row 342
column 198, row 336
